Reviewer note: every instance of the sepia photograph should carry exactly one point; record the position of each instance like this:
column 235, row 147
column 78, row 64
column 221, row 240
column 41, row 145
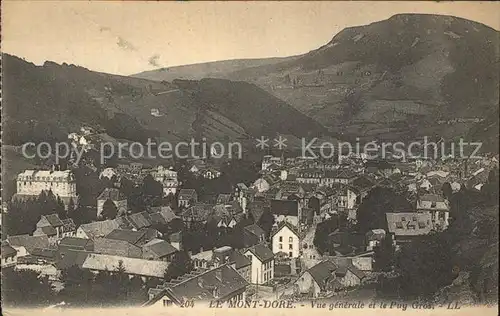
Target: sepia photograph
column 249, row 157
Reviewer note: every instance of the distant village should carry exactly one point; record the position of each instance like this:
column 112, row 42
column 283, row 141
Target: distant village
column 303, row 229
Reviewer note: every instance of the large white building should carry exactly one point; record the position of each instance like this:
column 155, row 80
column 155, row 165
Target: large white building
column 168, row 178
column 286, row 239
column 61, row 183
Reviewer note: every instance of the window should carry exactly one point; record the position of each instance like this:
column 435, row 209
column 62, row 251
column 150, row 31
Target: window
column 290, row 254
column 290, row 247
column 281, row 238
column 281, row 246
column 290, row 239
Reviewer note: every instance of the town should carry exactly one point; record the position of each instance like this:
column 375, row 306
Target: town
column 86, row 234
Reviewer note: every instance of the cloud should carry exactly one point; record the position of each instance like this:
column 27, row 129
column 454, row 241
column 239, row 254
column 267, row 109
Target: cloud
column 154, row 61
column 123, row 43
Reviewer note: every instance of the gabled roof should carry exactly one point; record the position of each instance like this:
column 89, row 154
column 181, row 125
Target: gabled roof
column 160, row 247
column 186, row 194
column 139, row 220
column 130, row 236
column 45, row 230
column 322, row 272
column 8, row 251
column 71, row 258
column 285, row 207
column 262, row 252
column 409, row 224
column 74, row 242
column 99, row 229
column 68, row 224
column 28, row 242
column 112, row 194
column 54, row 220
column 198, row 211
column 223, row 198
column 141, row 267
column 255, row 230
column 284, row 224
column 202, row 285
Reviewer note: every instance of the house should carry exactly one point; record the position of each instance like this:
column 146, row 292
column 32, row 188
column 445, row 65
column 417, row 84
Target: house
column 187, row 197
column 224, row 255
column 115, row 196
column 269, row 160
column 73, row 243
column 437, row 207
column 408, row 225
column 373, row 238
column 168, row 178
column 146, row 269
column 96, row 229
column 286, row 239
column 161, row 215
column 210, row 173
column 54, row 228
column 286, row 210
column 176, row 240
column 327, row 277
column 25, row 244
column 262, row 263
column 223, row 199
column 133, row 237
column 158, row 249
column 9, row 256
column 253, row 235
column 220, row 284
column 197, row 213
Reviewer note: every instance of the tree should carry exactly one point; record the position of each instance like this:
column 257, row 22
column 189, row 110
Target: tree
column 380, row 200
column 425, row 266
column 109, row 210
column 447, row 190
column 180, row 265
column 266, row 222
column 25, row 288
column 384, row 255
column 78, row 286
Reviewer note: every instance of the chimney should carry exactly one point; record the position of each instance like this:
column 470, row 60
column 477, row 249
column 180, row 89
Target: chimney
column 218, row 274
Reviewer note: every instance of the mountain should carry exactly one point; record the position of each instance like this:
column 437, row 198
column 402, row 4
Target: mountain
column 409, row 76
column 216, row 69
column 45, row 103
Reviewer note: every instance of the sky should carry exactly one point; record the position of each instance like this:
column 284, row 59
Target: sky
column 127, row 37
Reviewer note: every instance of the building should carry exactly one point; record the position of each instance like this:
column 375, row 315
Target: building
column 168, row 179
column 9, row 256
column 115, row 196
column 125, row 243
column 262, row 259
column 286, row 210
column 220, row 284
column 269, row 160
column 187, row 197
column 25, row 244
column 31, row 183
column 146, row 269
column 55, row 228
column 373, row 238
column 326, row 278
column 437, row 207
column 286, row 239
column 158, row 249
column 253, row 235
column 197, row 213
column 96, row 229
column 224, row 255
column 68, row 244
column 409, row 225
